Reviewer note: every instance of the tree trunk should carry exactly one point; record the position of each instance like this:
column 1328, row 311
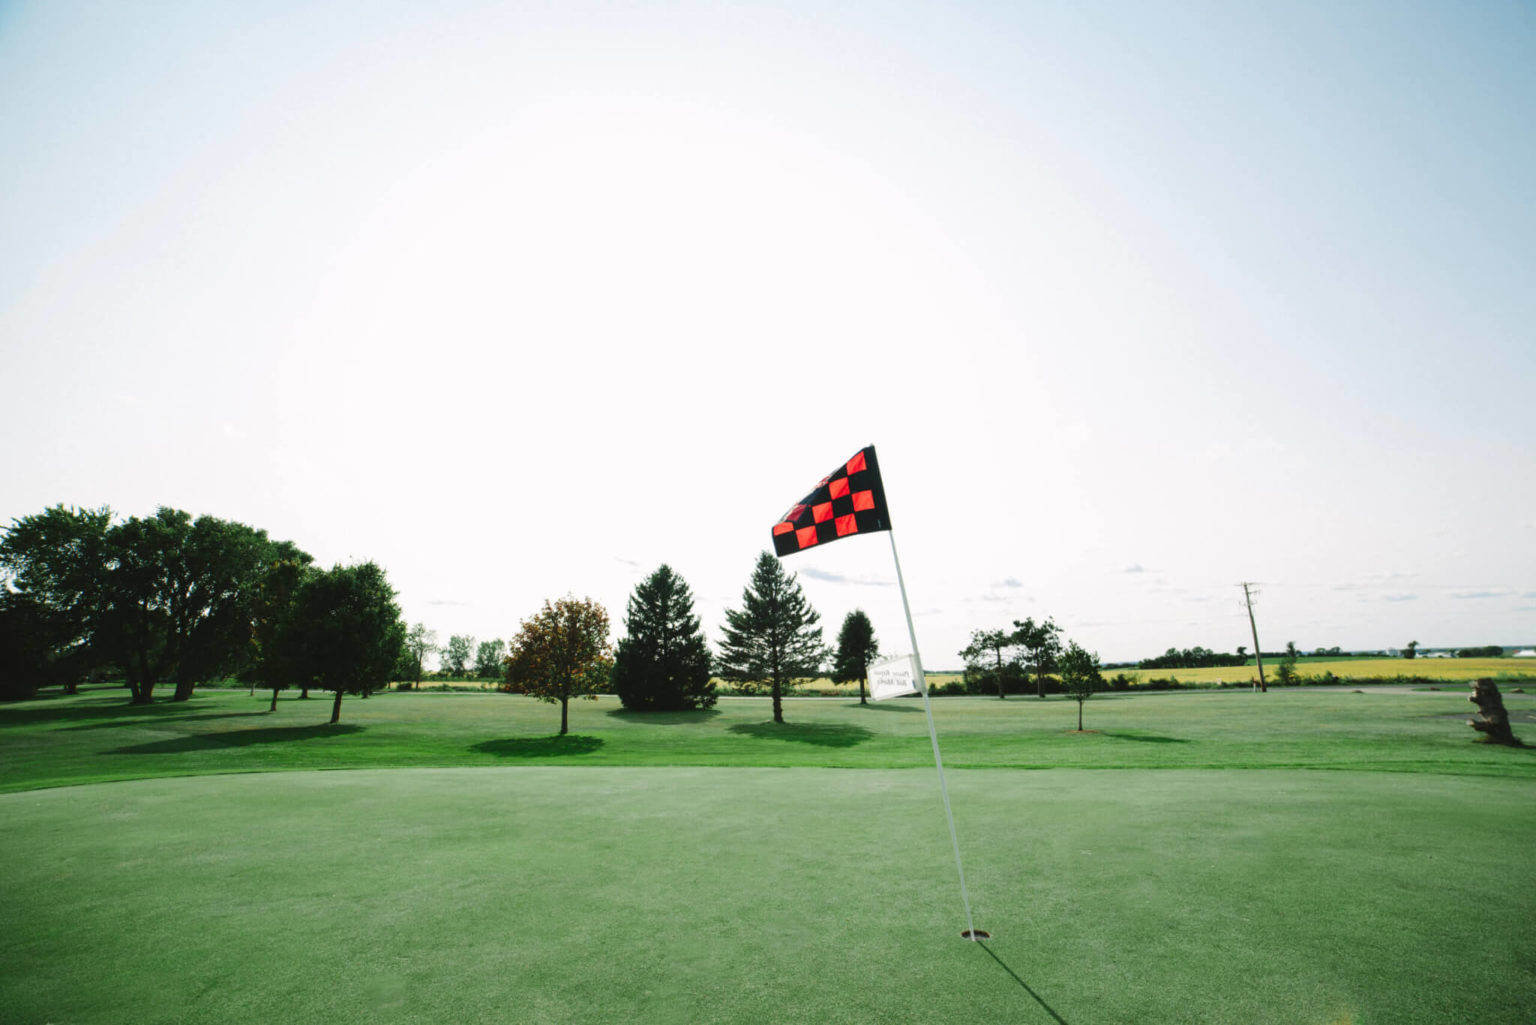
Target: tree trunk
column 72, row 687
column 861, row 691
column 183, row 691
column 1040, row 681
column 564, row 718
column 336, row 709
column 778, row 703
column 304, row 694
column 1079, row 716
column 1000, row 695
column 142, row 692
column 274, row 700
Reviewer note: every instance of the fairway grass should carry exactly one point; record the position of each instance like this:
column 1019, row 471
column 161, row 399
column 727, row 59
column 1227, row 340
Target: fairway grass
column 555, row 894
column 1190, row 861
column 97, row 737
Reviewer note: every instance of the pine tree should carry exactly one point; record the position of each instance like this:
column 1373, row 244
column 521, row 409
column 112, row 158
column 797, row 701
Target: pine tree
column 773, row 638
column 856, row 649
column 662, row 664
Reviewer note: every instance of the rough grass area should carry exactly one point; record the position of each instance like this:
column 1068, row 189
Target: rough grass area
column 97, row 736
column 556, row 894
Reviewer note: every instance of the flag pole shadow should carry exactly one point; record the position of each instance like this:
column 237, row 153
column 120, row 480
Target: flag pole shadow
column 1048, row 1008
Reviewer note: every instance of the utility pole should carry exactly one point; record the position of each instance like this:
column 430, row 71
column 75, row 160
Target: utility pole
column 1258, row 652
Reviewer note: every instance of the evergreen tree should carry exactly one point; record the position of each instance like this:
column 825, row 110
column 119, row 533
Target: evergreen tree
column 856, row 649
column 773, row 638
column 663, row 662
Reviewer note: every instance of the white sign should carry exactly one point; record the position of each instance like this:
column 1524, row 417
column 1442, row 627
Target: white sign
column 893, row 677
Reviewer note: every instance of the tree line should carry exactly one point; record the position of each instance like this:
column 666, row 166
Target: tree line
column 663, row 661
column 1006, row 661
column 172, row 599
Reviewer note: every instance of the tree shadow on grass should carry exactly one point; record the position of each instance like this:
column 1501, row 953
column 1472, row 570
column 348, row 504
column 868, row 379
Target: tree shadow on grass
column 105, row 712
column 239, row 738
column 666, row 718
column 540, row 747
column 1048, row 1008
column 820, row 734
column 113, row 724
column 1144, row 738
column 889, row 706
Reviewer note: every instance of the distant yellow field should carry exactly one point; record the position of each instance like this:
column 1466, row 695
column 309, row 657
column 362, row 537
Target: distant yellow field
column 1352, row 668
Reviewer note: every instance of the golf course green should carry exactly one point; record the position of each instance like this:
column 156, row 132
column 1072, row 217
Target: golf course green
column 1292, row 857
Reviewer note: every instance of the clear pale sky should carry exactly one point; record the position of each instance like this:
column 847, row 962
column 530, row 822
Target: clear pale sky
column 1136, row 301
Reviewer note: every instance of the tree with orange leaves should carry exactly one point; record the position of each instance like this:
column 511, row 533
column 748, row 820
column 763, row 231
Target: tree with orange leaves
column 562, row 652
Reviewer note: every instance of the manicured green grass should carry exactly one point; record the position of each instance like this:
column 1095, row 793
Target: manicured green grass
column 715, row 867
column 557, row 894
column 96, row 736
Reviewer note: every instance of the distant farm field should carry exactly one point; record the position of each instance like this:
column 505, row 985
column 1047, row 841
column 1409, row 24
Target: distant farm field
column 1355, row 669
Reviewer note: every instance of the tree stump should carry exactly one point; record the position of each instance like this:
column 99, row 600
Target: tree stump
column 1494, row 724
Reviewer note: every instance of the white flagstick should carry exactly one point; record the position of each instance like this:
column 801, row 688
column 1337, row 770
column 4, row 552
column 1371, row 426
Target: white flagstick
column 933, row 734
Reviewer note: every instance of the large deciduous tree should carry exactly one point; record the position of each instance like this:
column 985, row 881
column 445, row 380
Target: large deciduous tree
column 276, row 663
column 489, row 657
column 54, row 563
column 662, row 662
column 178, row 597
column 1042, row 647
column 562, row 652
column 774, row 637
column 856, row 649
column 456, row 653
column 419, row 643
column 344, row 632
column 988, row 646
column 1080, row 676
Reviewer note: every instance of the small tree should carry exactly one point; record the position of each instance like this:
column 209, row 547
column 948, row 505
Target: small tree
column 562, row 652
column 1286, row 673
column 419, row 643
column 1412, row 650
column 1080, row 676
column 456, row 654
column 662, row 663
column 345, row 633
column 856, row 649
column 989, row 645
column 489, row 658
column 773, row 638
column 1042, row 645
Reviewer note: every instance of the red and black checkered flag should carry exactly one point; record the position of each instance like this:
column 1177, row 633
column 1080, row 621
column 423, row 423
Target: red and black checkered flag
column 849, row 500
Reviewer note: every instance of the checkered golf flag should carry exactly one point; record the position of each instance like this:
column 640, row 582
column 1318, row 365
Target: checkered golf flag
column 849, row 500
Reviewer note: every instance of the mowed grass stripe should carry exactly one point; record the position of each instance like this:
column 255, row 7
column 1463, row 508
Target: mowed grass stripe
column 557, row 894
column 97, row 737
